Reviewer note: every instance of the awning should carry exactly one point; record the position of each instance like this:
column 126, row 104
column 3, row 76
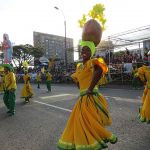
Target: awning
column 131, row 37
column 43, row 60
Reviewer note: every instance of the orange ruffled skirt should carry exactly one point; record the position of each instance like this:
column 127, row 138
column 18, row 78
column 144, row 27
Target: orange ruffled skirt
column 144, row 112
column 85, row 129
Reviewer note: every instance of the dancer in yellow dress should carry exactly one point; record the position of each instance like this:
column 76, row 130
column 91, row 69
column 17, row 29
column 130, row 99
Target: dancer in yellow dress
column 86, row 126
column 144, row 112
column 26, row 92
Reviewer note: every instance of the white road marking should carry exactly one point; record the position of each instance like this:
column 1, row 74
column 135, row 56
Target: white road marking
column 60, row 95
column 67, row 94
column 124, row 99
column 57, row 107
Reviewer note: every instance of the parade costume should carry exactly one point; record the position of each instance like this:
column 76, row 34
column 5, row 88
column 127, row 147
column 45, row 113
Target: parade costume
column 85, row 129
column 9, row 90
column 38, row 79
column 26, row 92
column 48, row 81
column 144, row 111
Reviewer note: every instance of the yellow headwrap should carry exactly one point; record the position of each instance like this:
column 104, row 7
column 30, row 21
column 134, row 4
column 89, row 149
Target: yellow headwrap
column 89, row 44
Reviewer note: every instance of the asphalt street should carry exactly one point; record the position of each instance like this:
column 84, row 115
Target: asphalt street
column 39, row 124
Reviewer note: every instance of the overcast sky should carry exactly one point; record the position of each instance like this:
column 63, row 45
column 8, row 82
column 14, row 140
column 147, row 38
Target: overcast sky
column 19, row 18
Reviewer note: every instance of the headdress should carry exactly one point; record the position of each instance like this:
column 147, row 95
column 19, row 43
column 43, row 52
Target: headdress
column 90, row 45
column 8, row 66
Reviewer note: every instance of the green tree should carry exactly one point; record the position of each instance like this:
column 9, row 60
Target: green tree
column 37, row 52
column 27, row 53
column 96, row 13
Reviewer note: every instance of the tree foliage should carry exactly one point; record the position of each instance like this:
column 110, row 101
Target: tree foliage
column 97, row 12
column 27, row 53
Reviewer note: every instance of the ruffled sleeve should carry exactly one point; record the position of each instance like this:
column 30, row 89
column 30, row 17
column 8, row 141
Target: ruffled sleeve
column 101, row 63
column 74, row 77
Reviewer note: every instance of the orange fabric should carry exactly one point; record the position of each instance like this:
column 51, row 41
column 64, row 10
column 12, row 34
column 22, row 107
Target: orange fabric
column 144, row 72
column 100, row 62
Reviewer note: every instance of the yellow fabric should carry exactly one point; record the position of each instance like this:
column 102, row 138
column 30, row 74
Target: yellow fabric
column 1, row 69
column 42, row 70
column 38, row 77
column 86, row 125
column 103, row 81
column 135, row 72
column 25, row 64
column 88, row 73
column 2, row 80
column 141, row 72
column 10, row 81
column 25, row 77
column 48, row 77
column 79, row 65
column 145, row 110
column 27, row 88
column 101, row 63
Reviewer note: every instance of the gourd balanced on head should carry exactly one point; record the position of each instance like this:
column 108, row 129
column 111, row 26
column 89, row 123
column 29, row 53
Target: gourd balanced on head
column 91, row 37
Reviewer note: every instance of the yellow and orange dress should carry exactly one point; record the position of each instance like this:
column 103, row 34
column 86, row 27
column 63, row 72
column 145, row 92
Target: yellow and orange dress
column 86, row 126
column 144, row 113
column 27, row 88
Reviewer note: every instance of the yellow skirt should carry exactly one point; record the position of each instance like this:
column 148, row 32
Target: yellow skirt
column 27, row 91
column 86, row 126
column 144, row 115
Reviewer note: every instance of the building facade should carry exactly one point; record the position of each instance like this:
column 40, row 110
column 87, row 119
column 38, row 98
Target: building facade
column 54, row 46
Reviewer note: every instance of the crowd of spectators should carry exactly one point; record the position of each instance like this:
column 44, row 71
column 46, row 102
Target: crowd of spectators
column 124, row 57
column 59, row 73
column 121, row 64
column 118, row 63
